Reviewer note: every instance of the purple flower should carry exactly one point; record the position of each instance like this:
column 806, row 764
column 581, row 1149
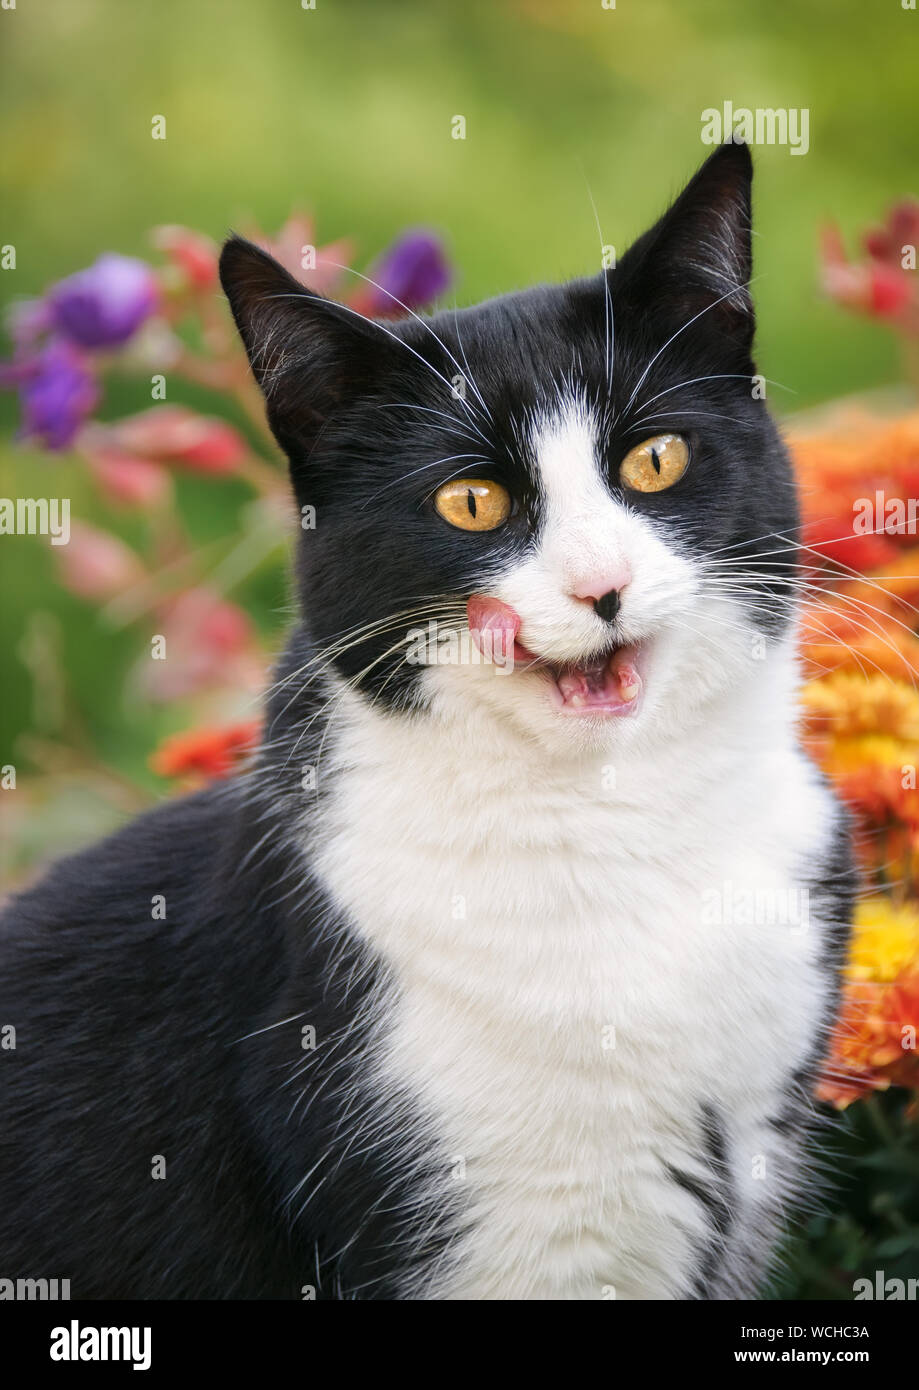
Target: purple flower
column 413, row 270
column 103, row 305
column 57, row 392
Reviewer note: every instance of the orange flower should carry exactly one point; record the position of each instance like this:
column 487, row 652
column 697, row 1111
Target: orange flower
column 861, row 722
column 207, row 753
column 858, row 479
column 876, row 1040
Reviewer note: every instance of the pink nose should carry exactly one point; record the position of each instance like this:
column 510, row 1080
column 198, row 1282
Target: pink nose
column 593, row 587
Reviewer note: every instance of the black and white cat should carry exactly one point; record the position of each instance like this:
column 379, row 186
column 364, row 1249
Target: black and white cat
column 505, row 972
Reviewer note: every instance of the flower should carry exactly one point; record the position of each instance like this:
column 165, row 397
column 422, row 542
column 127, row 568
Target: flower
column 205, row 752
column 95, row 564
column 884, row 284
column 860, row 475
column 209, row 643
column 57, row 392
column 131, row 482
column 326, row 267
column 886, row 244
column 885, row 942
column 880, row 288
column 861, row 722
column 176, row 435
column 874, row 1042
column 192, row 256
column 102, row 306
column 411, row 274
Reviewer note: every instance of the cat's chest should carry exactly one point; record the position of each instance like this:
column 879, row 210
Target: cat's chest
column 570, row 983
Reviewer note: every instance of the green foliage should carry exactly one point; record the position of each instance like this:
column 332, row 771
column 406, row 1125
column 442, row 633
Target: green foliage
column 871, row 1216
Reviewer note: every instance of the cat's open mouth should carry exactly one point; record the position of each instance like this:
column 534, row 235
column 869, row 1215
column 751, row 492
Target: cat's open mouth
column 610, row 684
column 607, row 684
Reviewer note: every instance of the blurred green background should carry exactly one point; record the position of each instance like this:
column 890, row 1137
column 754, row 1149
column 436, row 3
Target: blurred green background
column 345, row 110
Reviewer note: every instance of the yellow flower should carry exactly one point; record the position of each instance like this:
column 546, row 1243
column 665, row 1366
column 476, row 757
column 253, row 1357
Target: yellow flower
column 885, row 943
column 869, row 751
column 848, row 703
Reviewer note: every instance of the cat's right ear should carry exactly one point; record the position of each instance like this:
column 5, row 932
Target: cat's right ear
column 309, row 355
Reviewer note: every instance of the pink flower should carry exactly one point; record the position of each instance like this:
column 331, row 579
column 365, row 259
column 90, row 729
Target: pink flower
column 175, row 435
column 209, row 642
column 133, row 482
column 96, row 565
column 296, row 242
column 192, row 254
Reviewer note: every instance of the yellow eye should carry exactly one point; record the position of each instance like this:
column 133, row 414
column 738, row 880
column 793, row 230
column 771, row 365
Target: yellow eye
column 473, row 504
column 657, row 464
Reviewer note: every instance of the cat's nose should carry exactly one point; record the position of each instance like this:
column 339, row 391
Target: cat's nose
column 607, row 606
column 603, row 591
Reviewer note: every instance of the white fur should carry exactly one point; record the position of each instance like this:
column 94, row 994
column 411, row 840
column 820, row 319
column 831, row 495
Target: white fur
column 541, row 889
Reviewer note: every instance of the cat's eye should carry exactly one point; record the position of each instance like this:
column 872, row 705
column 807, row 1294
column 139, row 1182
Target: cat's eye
column 656, row 464
column 473, row 504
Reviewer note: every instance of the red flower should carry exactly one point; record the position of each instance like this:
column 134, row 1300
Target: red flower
column 889, row 292
column 901, row 229
column 191, row 254
column 880, row 286
column 173, row 434
column 209, row 753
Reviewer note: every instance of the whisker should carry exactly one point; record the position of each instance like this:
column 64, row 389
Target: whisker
column 644, row 376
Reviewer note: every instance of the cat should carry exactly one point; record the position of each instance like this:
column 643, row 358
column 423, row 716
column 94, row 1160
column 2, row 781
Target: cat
column 506, row 970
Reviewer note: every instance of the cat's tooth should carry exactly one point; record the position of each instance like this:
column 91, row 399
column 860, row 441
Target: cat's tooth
column 629, row 683
column 571, row 688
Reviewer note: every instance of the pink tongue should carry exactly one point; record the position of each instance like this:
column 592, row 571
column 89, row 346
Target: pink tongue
column 494, row 626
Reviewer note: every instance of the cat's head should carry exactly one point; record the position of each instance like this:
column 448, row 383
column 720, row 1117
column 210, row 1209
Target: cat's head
column 584, row 475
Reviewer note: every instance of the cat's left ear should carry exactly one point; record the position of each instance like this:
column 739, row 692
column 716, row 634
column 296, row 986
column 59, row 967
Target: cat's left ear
column 697, row 259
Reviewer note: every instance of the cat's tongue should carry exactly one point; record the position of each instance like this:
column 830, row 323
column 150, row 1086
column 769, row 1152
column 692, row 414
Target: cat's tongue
column 609, row 685
column 494, row 626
